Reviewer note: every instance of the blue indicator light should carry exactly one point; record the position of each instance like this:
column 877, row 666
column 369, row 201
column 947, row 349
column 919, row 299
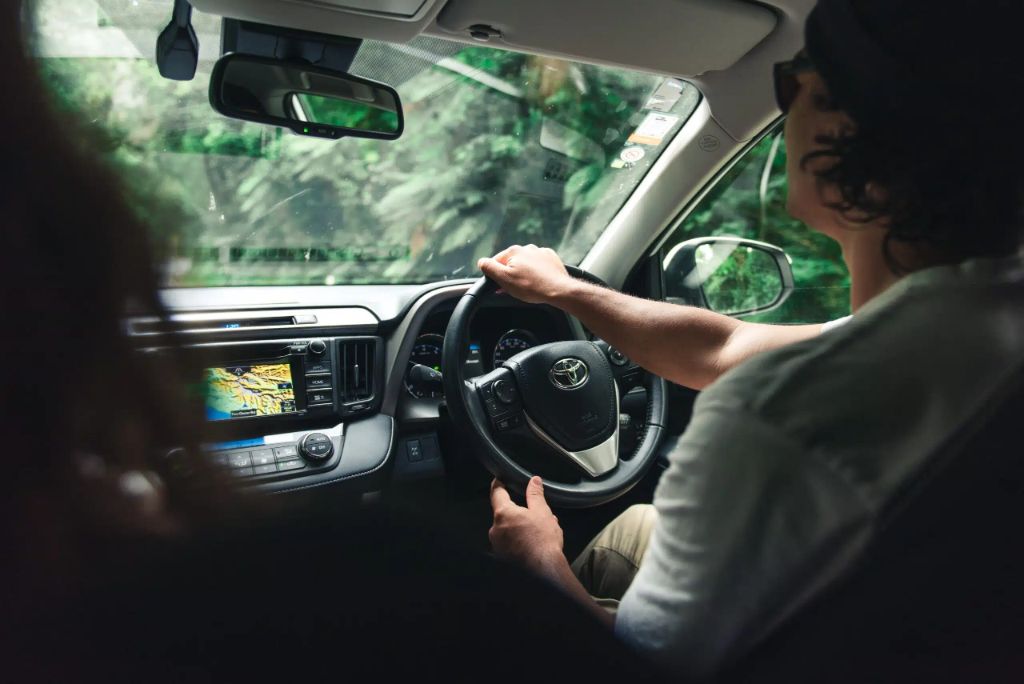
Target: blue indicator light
column 239, row 444
column 474, row 347
column 232, row 325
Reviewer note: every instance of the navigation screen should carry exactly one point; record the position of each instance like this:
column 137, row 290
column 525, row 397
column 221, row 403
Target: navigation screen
column 247, row 391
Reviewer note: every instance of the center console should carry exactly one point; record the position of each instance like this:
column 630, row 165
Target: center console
column 279, row 409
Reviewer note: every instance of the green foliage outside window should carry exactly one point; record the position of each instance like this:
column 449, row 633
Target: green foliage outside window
column 334, row 111
column 748, row 279
column 499, row 148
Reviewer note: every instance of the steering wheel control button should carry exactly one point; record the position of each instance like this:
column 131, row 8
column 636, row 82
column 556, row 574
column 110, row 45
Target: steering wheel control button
column 286, row 453
column 316, row 447
column 631, row 378
column 616, row 357
column 317, row 347
column 262, row 457
column 505, row 391
column 494, row 409
column 508, row 423
column 414, row 450
column 569, row 374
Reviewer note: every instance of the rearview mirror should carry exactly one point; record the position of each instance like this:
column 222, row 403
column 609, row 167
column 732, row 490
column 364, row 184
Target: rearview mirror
column 730, row 275
column 308, row 100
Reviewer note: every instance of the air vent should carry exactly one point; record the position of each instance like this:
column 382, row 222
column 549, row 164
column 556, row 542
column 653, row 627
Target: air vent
column 358, row 359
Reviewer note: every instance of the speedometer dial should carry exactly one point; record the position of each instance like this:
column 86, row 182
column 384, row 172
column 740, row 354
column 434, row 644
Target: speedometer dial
column 423, row 376
column 511, row 343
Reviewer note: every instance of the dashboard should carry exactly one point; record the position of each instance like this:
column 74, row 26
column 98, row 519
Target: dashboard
column 300, row 397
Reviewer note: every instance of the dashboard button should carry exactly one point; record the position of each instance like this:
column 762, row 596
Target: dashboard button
column 239, row 459
column 262, row 457
column 317, row 397
column 317, row 347
column 321, row 381
column 290, row 465
column 264, row 469
column 286, row 453
column 316, row 447
column 414, row 450
column 242, row 472
column 318, row 367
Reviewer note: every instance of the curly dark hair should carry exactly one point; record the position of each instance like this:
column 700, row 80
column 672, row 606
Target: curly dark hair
column 931, row 152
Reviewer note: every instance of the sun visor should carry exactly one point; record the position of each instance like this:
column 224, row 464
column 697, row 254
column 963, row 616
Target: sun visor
column 397, row 21
column 679, row 37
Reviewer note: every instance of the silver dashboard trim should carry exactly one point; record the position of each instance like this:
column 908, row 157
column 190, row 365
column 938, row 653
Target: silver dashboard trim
column 203, row 322
column 393, row 440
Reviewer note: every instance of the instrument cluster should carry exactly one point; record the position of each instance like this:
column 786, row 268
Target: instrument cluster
column 499, row 330
column 423, row 378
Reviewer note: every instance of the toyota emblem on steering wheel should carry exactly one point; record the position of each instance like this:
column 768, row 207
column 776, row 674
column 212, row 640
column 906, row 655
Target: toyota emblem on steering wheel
column 569, row 374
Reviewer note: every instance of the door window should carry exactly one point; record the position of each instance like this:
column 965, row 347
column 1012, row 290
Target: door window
column 750, row 201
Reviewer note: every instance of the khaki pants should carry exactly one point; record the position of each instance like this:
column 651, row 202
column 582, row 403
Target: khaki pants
column 607, row 566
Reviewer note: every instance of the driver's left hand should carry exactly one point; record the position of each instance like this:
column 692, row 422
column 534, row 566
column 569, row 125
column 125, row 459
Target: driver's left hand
column 527, row 534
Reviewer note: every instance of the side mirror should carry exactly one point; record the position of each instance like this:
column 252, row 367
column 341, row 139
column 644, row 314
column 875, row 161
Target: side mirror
column 308, row 100
column 730, row 275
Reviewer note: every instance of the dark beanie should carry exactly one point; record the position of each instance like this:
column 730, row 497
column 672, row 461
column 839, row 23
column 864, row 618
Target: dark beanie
column 902, row 59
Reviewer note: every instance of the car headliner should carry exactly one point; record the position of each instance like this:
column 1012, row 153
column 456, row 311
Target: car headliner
column 726, row 47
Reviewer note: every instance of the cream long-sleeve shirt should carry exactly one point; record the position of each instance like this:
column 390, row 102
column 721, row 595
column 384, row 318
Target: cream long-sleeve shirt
column 773, row 490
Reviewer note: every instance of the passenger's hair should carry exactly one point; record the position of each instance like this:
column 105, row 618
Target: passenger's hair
column 933, row 90
column 75, row 261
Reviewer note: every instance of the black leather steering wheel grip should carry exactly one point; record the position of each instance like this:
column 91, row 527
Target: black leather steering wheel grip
column 564, row 395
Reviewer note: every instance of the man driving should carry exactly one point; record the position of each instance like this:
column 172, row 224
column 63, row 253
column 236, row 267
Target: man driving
column 800, row 439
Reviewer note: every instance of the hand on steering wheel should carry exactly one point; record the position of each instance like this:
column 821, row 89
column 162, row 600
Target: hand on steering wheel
column 564, row 395
column 531, row 274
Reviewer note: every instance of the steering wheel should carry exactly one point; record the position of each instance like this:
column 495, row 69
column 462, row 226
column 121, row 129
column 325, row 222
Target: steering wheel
column 561, row 397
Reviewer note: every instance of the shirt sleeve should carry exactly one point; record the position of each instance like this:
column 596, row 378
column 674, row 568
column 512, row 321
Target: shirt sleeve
column 750, row 526
column 837, row 323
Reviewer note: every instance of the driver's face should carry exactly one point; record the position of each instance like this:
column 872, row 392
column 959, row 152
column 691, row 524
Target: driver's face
column 811, row 115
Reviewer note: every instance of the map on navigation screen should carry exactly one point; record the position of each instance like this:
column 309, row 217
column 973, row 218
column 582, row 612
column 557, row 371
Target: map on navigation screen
column 247, row 391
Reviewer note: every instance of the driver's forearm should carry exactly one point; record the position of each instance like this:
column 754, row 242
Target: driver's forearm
column 559, row 572
column 684, row 344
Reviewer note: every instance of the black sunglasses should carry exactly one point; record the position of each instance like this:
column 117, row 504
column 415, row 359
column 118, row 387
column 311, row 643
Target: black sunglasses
column 786, row 83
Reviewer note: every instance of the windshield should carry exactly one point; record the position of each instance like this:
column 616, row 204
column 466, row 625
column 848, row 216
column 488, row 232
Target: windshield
column 499, row 148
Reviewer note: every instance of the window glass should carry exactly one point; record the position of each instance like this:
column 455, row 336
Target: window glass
column 750, row 201
column 499, row 147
